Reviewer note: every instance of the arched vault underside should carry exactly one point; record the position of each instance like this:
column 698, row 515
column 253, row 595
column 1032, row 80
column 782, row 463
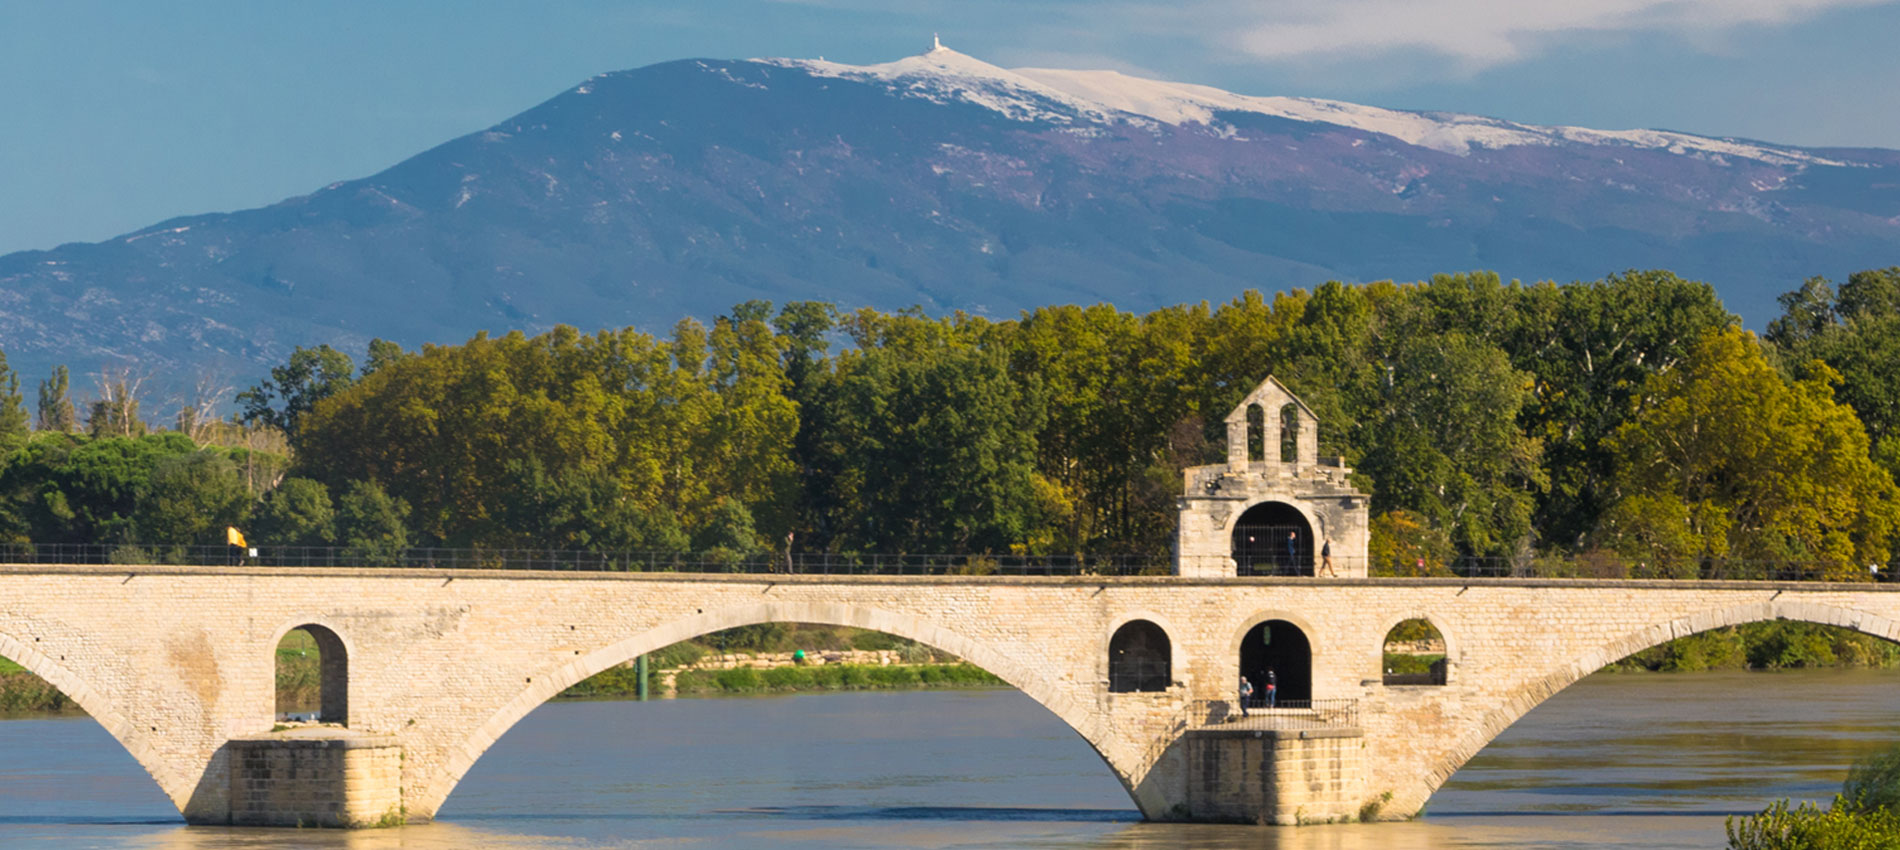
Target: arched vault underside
column 552, row 682
column 1488, row 724
column 178, row 662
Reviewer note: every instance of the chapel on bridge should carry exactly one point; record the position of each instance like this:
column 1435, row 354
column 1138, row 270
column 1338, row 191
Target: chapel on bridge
column 1275, row 505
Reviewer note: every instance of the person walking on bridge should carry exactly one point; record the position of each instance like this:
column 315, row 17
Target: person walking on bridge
column 1326, row 560
column 1246, row 694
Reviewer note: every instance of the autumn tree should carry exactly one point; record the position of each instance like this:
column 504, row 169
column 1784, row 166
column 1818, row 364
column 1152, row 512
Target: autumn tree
column 1726, row 459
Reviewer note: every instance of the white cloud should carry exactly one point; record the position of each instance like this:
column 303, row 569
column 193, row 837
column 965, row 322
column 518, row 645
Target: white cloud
column 1479, row 34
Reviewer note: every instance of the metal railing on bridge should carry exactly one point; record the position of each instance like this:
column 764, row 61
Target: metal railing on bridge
column 836, row 563
column 802, row 563
column 1287, row 715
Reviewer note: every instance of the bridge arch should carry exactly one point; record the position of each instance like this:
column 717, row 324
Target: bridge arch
column 552, row 681
column 1385, row 627
column 333, row 669
column 101, row 708
column 1529, row 695
column 1178, row 663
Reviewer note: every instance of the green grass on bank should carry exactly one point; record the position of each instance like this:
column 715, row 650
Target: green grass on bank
column 1403, row 662
column 7, row 667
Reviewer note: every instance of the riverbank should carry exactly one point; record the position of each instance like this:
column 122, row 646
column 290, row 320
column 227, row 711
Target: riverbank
column 623, row 682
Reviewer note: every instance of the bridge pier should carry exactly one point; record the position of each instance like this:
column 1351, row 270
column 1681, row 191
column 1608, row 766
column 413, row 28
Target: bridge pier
column 320, row 777
column 1268, row 776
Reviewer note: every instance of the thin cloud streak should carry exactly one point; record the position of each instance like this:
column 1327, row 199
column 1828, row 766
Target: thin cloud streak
column 1479, row 34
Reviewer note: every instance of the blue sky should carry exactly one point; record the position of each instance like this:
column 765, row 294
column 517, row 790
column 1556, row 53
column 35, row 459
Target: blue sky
column 119, row 115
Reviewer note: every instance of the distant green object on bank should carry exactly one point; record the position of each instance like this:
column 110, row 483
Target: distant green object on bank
column 798, row 656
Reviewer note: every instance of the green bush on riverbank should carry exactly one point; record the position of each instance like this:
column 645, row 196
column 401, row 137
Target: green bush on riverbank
column 833, row 677
column 1776, row 645
column 21, row 691
column 1863, row 817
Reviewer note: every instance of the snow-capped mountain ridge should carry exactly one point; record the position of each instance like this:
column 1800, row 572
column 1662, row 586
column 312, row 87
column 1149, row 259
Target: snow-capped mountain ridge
column 1065, row 96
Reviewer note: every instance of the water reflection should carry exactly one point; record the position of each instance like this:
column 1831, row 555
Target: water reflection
column 1616, row 761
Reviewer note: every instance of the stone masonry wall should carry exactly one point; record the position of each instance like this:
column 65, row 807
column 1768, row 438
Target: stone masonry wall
column 176, row 662
column 321, row 782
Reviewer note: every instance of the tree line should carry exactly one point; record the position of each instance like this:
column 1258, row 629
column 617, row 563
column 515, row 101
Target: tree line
column 1629, row 420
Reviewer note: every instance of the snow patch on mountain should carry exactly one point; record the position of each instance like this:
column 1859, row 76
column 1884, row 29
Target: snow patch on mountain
column 1067, row 97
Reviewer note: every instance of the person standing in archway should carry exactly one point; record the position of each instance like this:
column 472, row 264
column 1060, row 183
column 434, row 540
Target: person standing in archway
column 1273, row 687
column 1293, row 552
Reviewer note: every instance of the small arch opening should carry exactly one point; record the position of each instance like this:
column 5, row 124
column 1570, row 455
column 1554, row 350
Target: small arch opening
column 1277, row 659
column 1290, row 433
column 1273, row 539
column 1139, row 658
column 1414, row 654
column 1256, row 434
column 313, row 676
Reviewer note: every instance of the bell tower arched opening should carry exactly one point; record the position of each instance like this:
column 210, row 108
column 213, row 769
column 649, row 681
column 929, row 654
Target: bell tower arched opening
column 1273, row 539
column 1277, row 651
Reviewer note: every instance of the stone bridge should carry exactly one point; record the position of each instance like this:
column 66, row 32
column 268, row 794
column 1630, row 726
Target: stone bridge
column 428, row 668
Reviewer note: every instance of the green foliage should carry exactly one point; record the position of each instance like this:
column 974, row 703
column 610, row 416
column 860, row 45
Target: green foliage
column 1405, row 543
column 1864, row 816
column 371, row 525
column 294, row 389
column 1768, row 645
column 1726, row 457
column 13, row 418
column 1873, row 783
column 746, row 680
column 190, row 500
column 297, row 512
column 1810, row 827
column 56, row 411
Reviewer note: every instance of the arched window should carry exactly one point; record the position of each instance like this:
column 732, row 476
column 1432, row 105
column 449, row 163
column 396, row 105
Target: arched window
column 1256, row 433
column 1414, row 654
column 1138, row 658
column 1276, row 652
column 1289, row 433
column 313, row 676
column 1273, row 539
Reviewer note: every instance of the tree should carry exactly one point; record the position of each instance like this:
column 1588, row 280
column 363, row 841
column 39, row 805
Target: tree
column 1736, row 461
column 190, row 499
column 56, row 411
column 371, row 525
column 115, row 413
column 13, row 419
column 382, row 353
column 942, row 444
column 309, row 376
column 297, row 512
column 1443, row 441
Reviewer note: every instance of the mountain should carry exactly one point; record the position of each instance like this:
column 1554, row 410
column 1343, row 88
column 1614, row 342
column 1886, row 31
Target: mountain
column 938, row 180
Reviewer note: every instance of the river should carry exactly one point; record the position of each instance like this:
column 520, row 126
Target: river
column 1617, row 760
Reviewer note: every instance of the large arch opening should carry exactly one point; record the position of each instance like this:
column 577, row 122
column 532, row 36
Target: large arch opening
column 1023, row 675
column 1277, row 653
column 313, row 676
column 1139, row 658
column 1273, row 538
column 63, row 760
column 1667, row 646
